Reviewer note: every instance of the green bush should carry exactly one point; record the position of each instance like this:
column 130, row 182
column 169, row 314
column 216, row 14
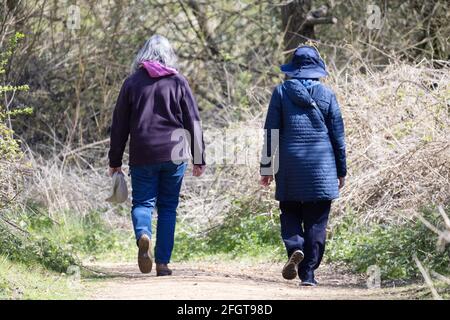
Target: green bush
column 87, row 236
column 250, row 229
column 32, row 248
column 9, row 145
column 390, row 247
column 59, row 242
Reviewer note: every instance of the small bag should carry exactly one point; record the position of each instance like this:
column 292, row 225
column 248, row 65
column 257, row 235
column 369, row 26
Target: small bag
column 119, row 190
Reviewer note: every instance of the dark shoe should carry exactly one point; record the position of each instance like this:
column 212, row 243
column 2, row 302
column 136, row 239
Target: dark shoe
column 144, row 255
column 309, row 283
column 290, row 268
column 162, row 270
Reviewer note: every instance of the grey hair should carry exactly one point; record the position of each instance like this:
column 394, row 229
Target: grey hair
column 157, row 48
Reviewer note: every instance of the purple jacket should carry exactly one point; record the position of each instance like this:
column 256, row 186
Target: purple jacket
column 153, row 109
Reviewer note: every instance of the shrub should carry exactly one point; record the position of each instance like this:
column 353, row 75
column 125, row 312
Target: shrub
column 250, row 229
column 10, row 152
column 389, row 246
column 33, row 249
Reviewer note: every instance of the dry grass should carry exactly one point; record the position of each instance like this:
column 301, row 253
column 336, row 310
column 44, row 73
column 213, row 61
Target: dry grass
column 397, row 140
column 68, row 189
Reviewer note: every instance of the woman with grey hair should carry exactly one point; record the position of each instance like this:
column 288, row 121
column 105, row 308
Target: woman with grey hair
column 155, row 103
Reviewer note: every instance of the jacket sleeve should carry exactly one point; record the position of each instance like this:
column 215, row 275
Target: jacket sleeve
column 272, row 126
column 120, row 127
column 192, row 123
column 336, row 132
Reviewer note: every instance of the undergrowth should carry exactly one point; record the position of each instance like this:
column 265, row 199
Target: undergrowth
column 32, row 281
column 247, row 233
column 391, row 247
column 249, row 230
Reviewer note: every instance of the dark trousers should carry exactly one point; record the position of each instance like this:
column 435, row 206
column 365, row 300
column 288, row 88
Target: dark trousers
column 303, row 226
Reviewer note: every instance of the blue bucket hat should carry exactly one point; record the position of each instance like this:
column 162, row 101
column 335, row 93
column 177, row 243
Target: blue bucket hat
column 306, row 63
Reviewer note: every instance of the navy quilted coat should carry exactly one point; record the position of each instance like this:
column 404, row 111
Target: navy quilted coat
column 311, row 144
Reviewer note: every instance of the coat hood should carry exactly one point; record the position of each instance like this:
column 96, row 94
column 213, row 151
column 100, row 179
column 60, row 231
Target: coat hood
column 298, row 93
column 157, row 70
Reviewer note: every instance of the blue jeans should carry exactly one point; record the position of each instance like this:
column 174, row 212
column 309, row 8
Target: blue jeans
column 303, row 226
column 157, row 185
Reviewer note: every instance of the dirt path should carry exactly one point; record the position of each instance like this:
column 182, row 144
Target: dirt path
column 229, row 280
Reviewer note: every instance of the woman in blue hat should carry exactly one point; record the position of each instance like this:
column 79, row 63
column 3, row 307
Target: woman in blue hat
column 304, row 127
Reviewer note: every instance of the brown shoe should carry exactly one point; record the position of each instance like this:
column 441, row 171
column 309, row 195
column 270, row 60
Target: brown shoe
column 162, row 270
column 290, row 268
column 144, row 255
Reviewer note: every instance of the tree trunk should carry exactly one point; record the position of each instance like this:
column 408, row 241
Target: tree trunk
column 293, row 17
column 298, row 20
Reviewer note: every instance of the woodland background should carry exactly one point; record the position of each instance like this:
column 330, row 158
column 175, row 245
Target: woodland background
column 62, row 65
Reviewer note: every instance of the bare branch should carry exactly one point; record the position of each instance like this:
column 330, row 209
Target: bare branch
column 311, row 21
column 427, row 278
